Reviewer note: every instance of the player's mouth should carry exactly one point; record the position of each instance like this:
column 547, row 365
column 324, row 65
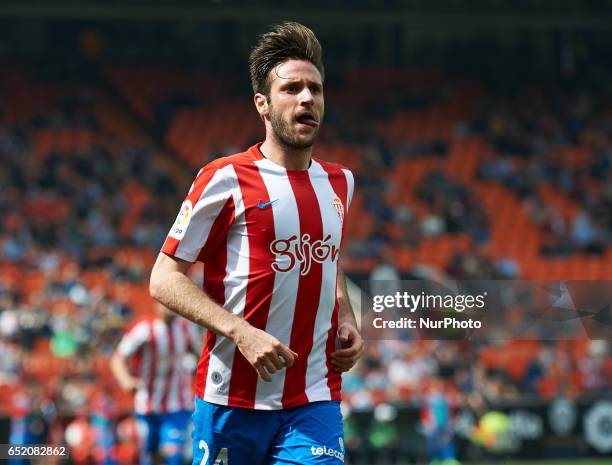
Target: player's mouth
column 307, row 119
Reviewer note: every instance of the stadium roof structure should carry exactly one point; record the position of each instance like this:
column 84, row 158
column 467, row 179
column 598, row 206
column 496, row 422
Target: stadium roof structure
column 413, row 14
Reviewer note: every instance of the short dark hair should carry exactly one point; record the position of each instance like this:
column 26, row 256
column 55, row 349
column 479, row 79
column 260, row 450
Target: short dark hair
column 286, row 41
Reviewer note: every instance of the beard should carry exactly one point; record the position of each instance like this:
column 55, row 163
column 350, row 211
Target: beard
column 283, row 132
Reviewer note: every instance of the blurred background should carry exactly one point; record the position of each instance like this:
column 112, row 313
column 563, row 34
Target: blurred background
column 480, row 136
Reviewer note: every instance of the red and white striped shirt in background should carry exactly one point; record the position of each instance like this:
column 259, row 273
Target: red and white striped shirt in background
column 161, row 352
column 270, row 240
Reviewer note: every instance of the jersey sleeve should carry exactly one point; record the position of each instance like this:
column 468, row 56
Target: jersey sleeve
column 204, row 217
column 134, row 339
column 350, row 186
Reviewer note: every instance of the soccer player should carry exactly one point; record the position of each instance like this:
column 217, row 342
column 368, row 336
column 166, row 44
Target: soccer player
column 437, row 422
column 164, row 394
column 31, row 414
column 268, row 224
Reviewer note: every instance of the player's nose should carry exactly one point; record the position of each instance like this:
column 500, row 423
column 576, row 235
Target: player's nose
column 306, row 97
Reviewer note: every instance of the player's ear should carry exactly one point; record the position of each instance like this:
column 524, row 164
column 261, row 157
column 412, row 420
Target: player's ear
column 261, row 103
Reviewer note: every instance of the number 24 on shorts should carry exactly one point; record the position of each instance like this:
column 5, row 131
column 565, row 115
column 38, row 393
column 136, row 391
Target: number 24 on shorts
column 221, row 458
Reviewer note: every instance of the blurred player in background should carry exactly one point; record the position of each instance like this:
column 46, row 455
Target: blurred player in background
column 31, row 414
column 162, row 382
column 437, row 421
column 104, row 414
column 268, row 224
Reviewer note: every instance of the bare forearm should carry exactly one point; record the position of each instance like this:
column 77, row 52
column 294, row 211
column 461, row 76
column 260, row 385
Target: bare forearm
column 122, row 374
column 345, row 310
column 351, row 342
column 171, row 286
column 179, row 293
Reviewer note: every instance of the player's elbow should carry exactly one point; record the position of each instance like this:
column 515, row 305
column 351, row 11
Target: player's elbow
column 155, row 283
column 155, row 287
column 164, row 272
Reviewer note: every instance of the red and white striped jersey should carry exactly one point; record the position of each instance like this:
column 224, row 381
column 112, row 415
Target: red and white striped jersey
column 270, row 240
column 160, row 350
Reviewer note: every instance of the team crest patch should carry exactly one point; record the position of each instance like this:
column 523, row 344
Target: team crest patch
column 339, row 208
column 182, row 220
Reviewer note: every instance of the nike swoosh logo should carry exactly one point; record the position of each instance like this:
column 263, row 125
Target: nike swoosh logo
column 262, row 205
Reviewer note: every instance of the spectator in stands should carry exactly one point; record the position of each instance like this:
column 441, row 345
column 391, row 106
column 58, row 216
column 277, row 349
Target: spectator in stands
column 30, row 416
column 384, row 279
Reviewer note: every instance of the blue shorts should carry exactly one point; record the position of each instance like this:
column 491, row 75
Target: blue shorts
column 161, row 429
column 305, row 435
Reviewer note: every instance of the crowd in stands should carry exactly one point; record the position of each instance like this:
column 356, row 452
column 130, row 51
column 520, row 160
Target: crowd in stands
column 78, row 227
column 563, row 144
column 493, row 190
column 400, row 372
